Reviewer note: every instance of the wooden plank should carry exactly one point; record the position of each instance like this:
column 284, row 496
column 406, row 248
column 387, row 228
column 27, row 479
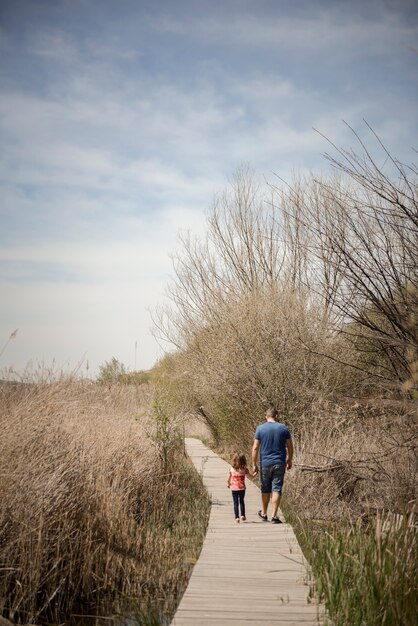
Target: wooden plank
column 249, row 621
column 249, row 573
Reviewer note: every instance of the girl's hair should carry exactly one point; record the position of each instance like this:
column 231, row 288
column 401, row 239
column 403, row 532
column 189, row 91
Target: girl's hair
column 238, row 461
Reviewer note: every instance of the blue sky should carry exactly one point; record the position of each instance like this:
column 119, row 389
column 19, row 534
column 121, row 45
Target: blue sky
column 119, row 121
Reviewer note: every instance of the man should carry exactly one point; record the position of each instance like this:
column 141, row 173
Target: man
column 274, row 443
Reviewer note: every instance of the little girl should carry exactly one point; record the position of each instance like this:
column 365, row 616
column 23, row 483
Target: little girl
column 236, row 483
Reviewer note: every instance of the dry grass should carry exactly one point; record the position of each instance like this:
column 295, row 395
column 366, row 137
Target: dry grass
column 87, row 513
column 354, row 461
column 352, row 498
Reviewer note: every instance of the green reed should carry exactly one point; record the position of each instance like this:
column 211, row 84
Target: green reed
column 366, row 575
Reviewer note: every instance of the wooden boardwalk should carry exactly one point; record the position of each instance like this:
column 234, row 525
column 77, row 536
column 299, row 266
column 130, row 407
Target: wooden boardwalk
column 250, row 574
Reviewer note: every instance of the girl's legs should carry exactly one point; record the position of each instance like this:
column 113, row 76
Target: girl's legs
column 235, row 496
column 241, row 496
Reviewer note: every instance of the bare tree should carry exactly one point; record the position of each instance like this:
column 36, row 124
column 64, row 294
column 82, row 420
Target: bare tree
column 239, row 255
column 360, row 230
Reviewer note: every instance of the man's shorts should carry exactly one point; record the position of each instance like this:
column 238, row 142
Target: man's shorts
column 272, row 478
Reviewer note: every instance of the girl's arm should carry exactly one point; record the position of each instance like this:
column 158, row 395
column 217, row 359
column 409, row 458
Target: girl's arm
column 229, row 480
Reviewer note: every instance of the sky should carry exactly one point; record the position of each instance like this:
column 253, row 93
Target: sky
column 120, row 121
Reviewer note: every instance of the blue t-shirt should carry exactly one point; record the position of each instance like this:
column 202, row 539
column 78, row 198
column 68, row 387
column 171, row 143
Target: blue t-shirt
column 272, row 437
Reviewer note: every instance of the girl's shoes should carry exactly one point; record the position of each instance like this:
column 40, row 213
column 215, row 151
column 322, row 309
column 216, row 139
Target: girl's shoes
column 243, row 518
column 263, row 517
column 237, row 520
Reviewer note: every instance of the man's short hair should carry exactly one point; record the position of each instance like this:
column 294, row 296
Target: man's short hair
column 272, row 412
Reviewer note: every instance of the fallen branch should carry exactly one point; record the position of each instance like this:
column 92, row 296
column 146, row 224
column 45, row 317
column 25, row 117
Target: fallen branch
column 321, row 468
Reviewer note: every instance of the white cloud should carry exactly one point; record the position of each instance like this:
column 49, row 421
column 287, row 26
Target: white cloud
column 317, row 28
column 54, row 44
column 109, row 152
column 104, row 306
column 99, row 314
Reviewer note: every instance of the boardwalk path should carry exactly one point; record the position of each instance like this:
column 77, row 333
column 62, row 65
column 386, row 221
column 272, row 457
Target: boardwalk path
column 248, row 574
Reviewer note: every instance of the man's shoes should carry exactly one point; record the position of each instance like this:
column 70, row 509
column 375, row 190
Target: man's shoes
column 276, row 520
column 263, row 517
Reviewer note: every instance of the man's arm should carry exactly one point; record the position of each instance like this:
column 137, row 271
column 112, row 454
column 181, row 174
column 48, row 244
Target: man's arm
column 289, row 447
column 254, row 455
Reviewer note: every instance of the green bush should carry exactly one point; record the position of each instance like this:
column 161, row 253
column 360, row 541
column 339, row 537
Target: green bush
column 114, row 371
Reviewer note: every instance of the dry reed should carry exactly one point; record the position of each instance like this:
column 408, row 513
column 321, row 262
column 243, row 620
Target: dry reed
column 87, row 513
column 352, row 498
column 351, row 462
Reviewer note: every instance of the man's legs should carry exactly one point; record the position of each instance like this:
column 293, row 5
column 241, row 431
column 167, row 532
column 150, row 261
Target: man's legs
column 265, row 486
column 275, row 501
column 265, row 499
column 278, row 472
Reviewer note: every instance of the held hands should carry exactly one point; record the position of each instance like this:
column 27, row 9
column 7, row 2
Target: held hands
column 289, row 464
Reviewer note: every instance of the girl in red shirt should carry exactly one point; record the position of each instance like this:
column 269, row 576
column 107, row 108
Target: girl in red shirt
column 236, row 483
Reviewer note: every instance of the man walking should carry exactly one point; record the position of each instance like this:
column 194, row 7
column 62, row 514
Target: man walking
column 274, row 443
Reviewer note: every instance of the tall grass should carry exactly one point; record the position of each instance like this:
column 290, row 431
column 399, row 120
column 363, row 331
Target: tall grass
column 89, row 517
column 351, row 498
column 366, row 576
